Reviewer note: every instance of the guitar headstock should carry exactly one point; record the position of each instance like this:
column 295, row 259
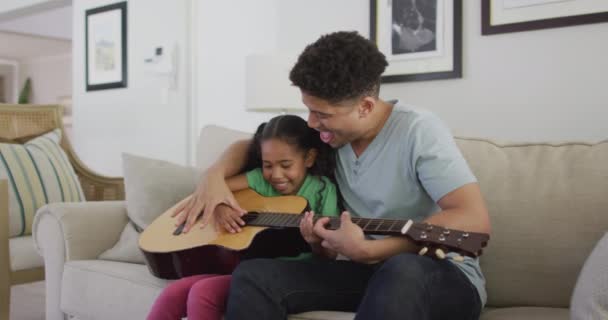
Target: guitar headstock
column 462, row 242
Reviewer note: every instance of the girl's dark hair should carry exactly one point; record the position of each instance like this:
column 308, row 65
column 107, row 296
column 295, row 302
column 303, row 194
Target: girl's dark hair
column 294, row 131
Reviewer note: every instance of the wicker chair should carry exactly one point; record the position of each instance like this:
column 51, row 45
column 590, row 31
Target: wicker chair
column 20, row 123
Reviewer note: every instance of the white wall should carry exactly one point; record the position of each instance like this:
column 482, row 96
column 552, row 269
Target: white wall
column 8, row 70
column 51, row 77
column 539, row 85
column 269, row 26
column 133, row 119
column 227, row 32
column 54, row 23
column 528, row 86
column 18, row 47
column 47, row 61
column 303, row 22
column 9, row 5
column 10, row 9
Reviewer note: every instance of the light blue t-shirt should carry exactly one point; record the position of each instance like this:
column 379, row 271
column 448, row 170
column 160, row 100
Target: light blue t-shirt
column 410, row 165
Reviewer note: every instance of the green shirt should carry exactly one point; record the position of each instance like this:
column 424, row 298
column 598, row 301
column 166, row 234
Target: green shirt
column 324, row 202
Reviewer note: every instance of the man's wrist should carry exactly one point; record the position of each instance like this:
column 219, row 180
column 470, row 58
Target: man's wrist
column 213, row 171
column 365, row 252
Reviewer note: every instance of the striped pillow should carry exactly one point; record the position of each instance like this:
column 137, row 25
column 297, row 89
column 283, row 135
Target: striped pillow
column 38, row 172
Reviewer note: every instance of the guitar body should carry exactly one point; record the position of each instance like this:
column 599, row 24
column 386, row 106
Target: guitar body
column 212, row 250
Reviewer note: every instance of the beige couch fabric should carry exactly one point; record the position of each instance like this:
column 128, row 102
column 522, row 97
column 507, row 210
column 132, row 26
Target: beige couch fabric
column 151, row 187
column 213, row 141
column 93, row 289
column 547, row 203
column 71, row 231
column 24, row 254
column 126, row 249
column 548, row 208
column 526, row 313
column 590, row 298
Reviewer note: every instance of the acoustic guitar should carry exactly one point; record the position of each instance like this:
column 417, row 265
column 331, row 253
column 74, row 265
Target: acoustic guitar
column 272, row 230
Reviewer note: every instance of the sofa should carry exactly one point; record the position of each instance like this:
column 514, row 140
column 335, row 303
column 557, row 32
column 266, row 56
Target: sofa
column 548, row 206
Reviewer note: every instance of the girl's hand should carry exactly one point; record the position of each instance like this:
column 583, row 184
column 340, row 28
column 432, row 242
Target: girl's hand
column 309, row 235
column 228, row 218
column 306, row 229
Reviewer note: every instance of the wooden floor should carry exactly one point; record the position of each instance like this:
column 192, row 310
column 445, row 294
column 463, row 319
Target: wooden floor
column 27, row 301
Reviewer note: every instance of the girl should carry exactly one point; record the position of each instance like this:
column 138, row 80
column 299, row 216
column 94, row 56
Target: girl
column 286, row 157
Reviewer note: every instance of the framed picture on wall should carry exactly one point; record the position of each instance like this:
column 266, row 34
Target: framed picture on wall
column 523, row 15
column 421, row 39
column 106, row 47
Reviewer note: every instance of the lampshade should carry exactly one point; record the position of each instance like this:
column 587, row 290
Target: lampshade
column 268, row 88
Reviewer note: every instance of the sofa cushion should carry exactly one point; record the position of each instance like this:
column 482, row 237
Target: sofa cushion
column 38, row 172
column 24, row 254
column 525, row 313
column 535, row 194
column 151, row 187
column 108, row 290
column 590, row 298
column 93, row 289
column 213, row 141
column 126, row 249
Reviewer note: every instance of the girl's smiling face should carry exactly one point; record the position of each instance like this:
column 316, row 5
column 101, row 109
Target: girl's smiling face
column 284, row 166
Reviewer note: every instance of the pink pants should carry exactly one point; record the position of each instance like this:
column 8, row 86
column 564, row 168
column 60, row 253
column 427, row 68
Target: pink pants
column 201, row 297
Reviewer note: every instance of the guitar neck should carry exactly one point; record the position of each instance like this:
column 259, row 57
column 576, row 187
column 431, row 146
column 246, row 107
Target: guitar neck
column 369, row 226
column 468, row 243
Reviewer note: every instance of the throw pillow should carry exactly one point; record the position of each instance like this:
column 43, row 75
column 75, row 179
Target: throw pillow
column 151, row 187
column 38, row 172
column 126, row 249
column 590, row 297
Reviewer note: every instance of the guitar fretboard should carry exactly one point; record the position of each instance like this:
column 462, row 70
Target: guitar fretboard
column 469, row 243
column 284, row 220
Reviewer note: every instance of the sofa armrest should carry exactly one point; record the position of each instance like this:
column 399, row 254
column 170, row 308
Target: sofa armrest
column 86, row 229
column 73, row 231
column 5, row 263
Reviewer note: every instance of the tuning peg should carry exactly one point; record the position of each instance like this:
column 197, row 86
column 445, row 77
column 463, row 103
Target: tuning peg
column 458, row 258
column 440, row 254
column 423, row 251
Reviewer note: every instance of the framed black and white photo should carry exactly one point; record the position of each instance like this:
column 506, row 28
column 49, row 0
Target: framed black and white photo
column 106, row 47
column 421, row 39
column 523, row 15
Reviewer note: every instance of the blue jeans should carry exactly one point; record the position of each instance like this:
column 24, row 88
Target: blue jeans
column 406, row 286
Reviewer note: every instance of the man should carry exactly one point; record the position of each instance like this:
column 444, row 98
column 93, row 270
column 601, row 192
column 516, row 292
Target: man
column 393, row 162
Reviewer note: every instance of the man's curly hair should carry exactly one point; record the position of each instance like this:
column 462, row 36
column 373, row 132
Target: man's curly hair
column 339, row 66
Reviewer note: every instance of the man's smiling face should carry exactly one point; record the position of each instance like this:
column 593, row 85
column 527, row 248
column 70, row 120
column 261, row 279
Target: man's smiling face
column 338, row 125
